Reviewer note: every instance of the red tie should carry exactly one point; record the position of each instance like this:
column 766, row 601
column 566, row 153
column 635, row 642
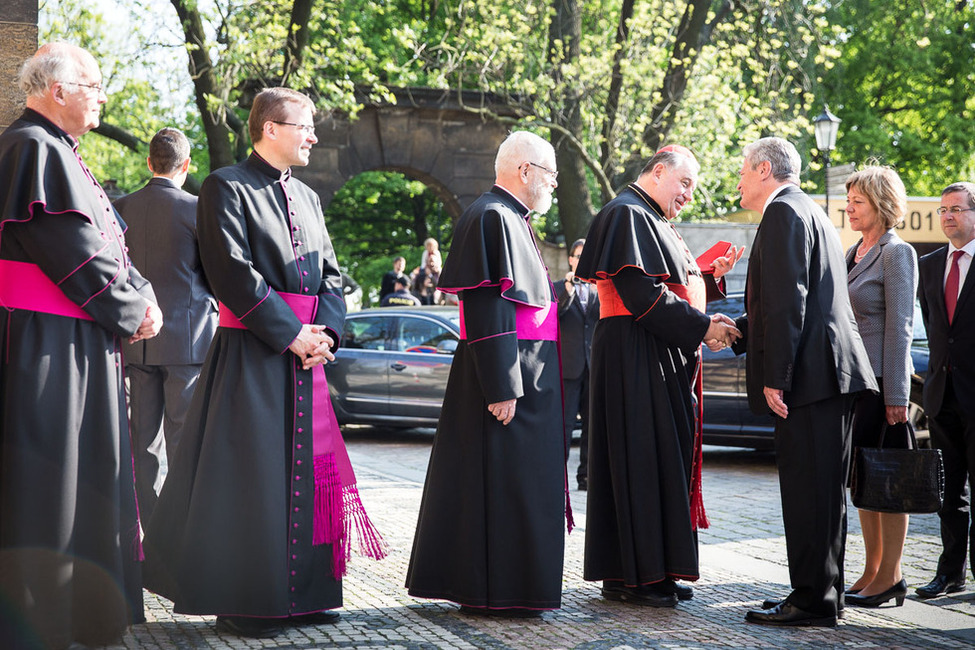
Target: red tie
column 951, row 286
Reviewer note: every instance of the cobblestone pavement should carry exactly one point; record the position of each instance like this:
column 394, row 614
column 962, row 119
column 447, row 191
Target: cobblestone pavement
column 742, row 562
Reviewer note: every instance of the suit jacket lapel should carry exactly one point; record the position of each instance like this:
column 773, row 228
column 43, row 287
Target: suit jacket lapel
column 871, row 257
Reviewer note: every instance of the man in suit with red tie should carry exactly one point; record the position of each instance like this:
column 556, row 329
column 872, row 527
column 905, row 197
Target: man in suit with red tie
column 948, row 309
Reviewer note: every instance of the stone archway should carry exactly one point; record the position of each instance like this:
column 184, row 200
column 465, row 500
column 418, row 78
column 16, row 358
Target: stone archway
column 426, row 135
column 18, row 33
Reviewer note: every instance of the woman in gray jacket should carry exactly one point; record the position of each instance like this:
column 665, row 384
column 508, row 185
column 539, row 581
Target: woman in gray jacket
column 883, row 283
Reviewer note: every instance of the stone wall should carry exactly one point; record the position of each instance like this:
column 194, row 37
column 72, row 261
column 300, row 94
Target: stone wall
column 18, row 34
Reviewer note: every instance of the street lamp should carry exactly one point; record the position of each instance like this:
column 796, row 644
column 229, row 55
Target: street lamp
column 826, row 125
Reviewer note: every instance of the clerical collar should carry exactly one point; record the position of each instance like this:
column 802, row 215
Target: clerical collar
column 642, row 193
column 33, row 116
column 268, row 169
column 500, row 189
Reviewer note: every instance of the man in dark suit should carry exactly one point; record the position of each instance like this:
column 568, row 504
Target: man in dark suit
column 162, row 372
column 578, row 315
column 948, row 310
column 805, row 362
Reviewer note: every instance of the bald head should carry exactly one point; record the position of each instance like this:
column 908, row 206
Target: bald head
column 525, row 166
column 63, row 83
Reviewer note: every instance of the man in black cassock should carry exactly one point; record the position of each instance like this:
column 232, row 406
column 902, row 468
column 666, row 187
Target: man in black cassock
column 69, row 533
column 251, row 523
column 644, row 450
column 489, row 535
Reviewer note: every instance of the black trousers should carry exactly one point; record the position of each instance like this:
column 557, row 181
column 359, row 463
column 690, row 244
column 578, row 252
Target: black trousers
column 953, row 432
column 158, row 399
column 575, row 392
column 812, row 448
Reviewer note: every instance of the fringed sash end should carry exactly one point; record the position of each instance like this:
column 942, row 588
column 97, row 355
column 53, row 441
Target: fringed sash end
column 336, row 508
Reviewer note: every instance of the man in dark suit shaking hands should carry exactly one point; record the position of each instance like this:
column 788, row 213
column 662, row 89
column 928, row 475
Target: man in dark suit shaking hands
column 805, row 362
column 948, row 310
column 162, row 372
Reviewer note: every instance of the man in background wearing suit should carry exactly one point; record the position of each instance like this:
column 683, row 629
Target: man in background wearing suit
column 578, row 315
column 162, row 372
column 948, row 310
column 805, row 362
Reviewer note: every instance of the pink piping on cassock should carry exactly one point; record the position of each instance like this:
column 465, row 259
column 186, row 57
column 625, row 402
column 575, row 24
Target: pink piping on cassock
column 337, row 502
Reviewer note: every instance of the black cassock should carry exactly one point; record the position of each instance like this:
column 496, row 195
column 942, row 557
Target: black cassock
column 69, row 536
column 232, row 531
column 639, row 526
column 490, row 526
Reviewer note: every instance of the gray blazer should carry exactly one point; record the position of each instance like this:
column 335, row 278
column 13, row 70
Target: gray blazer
column 882, row 290
column 161, row 237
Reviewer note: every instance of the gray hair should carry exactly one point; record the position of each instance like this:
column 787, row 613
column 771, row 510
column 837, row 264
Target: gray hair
column 53, row 62
column 518, row 148
column 962, row 186
column 780, row 154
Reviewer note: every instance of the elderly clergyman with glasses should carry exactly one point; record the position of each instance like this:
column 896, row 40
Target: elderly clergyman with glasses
column 490, row 534
column 69, row 533
column 948, row 309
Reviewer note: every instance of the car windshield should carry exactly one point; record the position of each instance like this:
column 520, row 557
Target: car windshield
column 919, row 333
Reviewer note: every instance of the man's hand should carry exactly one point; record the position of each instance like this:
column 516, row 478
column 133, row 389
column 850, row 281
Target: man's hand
column 569, row 285
column 151, row 324
column 724, row 264
column 896, row 414
column 721, row 333
column 773, row 397
column 313, row 346
column 504, row 411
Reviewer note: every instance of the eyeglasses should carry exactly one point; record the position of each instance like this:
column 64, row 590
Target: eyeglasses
column 953, row 210
column 307, row 129
column 554, row 173
column 96, row 87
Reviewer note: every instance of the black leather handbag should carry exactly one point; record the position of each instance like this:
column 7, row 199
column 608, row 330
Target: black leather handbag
column 898, row 480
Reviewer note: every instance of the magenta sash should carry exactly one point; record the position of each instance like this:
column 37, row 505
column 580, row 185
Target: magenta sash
column 25, row 286
column 337, row 502
column 531, row 323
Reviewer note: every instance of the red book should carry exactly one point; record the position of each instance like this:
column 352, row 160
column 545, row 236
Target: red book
column 706, row 259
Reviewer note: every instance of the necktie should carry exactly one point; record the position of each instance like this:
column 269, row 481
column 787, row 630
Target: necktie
column 951, row 286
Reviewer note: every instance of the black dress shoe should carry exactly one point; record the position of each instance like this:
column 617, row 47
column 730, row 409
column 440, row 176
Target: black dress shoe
column 669, row 586
column 770, row 604
column 506, row 612
column 788, row 614
column 325, row 617
column 897, row 592
column 249, row 626
column 940, row 585
column 652, row 595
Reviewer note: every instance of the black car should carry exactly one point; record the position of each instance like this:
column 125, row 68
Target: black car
column 393, row 364
column 727, row 419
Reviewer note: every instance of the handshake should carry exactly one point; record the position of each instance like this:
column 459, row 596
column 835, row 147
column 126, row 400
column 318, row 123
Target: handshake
column 721, row 333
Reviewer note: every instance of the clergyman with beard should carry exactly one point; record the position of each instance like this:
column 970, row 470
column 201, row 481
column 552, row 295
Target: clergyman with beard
column 489, row 535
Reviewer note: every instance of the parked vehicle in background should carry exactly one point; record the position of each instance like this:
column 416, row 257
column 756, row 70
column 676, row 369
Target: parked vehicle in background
column 727, row 419
column 393, row 365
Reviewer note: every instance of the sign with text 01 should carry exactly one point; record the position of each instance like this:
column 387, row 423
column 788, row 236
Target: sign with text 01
column 921, row 225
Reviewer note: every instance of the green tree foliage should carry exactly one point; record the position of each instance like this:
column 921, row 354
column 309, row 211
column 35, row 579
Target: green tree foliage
column 377, row 216
column 905, row 89
column 608, row 81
